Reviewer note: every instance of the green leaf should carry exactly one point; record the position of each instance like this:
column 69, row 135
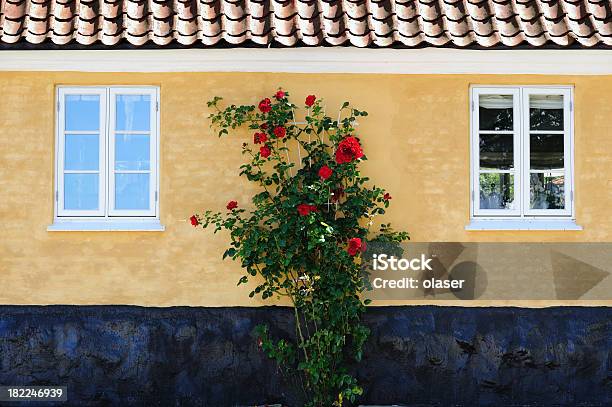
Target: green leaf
column 231, row 252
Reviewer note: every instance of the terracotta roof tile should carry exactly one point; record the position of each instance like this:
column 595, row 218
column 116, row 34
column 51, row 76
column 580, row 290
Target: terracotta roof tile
column 313, row 22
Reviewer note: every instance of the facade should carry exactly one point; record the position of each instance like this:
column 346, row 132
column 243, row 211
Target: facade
column 489, row 122
column 407, row 113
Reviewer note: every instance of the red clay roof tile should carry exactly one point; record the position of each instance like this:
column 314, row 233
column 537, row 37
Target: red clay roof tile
column 359, row 23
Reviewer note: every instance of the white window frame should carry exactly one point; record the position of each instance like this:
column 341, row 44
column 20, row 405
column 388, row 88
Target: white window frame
column 107, row 217
column 60, row 149
column 522, row 217
column 112, row 132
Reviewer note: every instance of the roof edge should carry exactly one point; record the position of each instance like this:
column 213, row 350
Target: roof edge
column 317, row 60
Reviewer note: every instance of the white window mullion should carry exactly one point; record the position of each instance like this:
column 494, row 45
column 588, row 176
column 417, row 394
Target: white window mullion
column 475, row 154
column 518, row 156
column 569, row 153
column 107, row 160
column 111, row 152
column 525, row 174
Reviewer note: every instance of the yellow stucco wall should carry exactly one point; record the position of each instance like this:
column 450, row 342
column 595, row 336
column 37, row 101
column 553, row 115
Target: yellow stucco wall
column 416, row 138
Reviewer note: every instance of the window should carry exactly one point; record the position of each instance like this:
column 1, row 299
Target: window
column 522, row 155
column 107, row 157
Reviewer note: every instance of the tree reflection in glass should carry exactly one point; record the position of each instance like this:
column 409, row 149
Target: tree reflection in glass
column 496, row 191
column 547, row 191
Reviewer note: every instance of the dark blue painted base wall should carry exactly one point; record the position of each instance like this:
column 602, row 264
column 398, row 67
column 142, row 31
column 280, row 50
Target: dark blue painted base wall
column 421, row 356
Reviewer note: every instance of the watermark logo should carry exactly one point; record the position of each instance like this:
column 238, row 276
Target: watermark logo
column 423, row 263
column 384, row 262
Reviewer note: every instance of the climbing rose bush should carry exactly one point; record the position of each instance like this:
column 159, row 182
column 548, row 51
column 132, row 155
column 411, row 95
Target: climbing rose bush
column 303, row 234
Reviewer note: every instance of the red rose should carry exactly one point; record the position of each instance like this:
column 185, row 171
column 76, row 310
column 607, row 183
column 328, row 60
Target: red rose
column 354, row 246
column 387, row 196
column 279, row 95
column 349, row 150
column 265, row 151
column 264, row 126
column 194, row 221
column 310, row 100
column 280, row 131
column 259, row 138
column 325, row 172
column 303, row 209
column 231, row 205
column 265, row 105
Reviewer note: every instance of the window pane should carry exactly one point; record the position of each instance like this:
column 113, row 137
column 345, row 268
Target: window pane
column 495, row 112
column 133, row 112
column 496, row 191
column 547, row 191
column 81, row 191
column 132, row 152
column 546, row 151
column 132, row 191
column 81, row 151
column 82, row 112
column 496, row 151
column 546, row 112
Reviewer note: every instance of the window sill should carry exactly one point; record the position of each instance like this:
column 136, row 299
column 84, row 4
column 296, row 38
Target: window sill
column 523, row 224
column 122, row 225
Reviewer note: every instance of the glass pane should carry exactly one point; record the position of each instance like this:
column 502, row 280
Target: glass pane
column 82, row 112
column 133, row 112
column 132, row 152
column 547, row 191
column 546, row 112
column 546, row 151
column 496, row 151
column 496, row 191
column 81, row 191
column 132, row 191
column 81, row 151
column 495, row 112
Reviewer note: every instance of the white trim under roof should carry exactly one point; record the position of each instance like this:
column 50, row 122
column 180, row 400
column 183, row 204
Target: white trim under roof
column 316, row 60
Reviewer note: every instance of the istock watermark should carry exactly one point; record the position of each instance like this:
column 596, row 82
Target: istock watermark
column 384, row 262
column 488, row 271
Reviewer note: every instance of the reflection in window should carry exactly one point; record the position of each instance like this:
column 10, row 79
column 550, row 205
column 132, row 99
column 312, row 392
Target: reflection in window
column 546, row 151
column 496, row 191
column 132, row 191
column 81, row 191
column 547, row 191
column 82, row 112
column 81, row 152
column 133, row 112
column 495, row 112
column 496, row 151
column 546, row 112
column 132, row 152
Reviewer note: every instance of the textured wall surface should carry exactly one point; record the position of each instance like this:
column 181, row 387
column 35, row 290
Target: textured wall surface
column 416, row 138
column 425, row 356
